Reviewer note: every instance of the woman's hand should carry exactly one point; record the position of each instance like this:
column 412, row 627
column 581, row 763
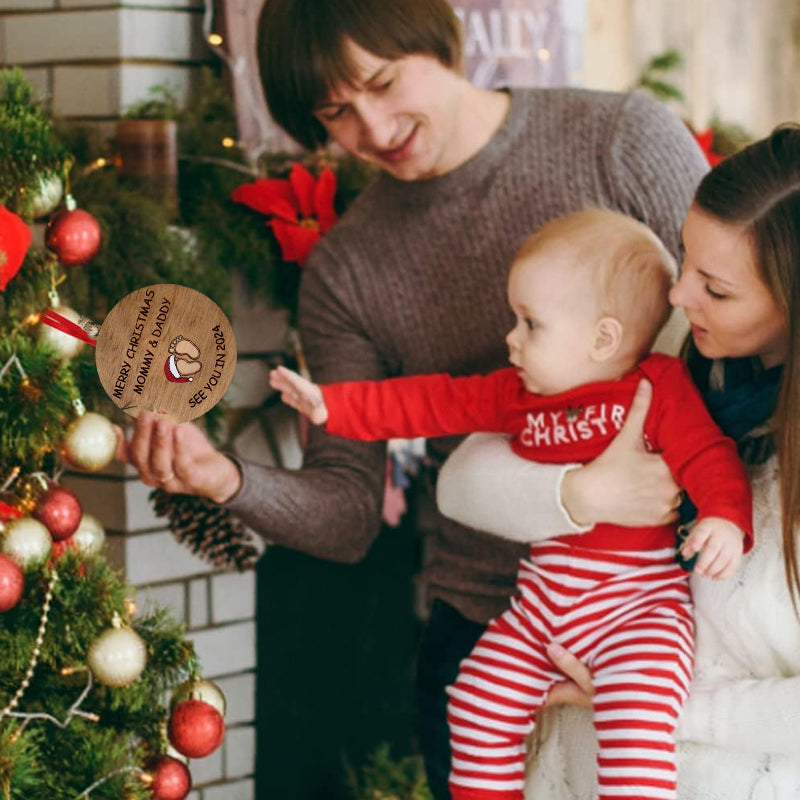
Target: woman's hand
column 178, row 458
column 625, row 484
column 578, row 689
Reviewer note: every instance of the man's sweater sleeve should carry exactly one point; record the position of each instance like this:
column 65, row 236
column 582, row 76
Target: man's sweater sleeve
column 330, row 508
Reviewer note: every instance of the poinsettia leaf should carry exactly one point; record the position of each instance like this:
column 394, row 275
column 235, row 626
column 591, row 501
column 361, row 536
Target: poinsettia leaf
column 303, row 182
column 295, row 242
column 271, row 196
column 324, row 192
column 15, row 239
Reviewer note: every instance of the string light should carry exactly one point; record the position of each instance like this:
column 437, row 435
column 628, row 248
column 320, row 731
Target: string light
column 215, row 40
column 544, row 54
column 228, row 141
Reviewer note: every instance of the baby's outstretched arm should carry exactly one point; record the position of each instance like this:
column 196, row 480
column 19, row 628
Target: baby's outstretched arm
column 720, row 544
column 300, row 394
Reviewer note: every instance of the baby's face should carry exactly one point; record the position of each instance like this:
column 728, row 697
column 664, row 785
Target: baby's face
column 555, row 309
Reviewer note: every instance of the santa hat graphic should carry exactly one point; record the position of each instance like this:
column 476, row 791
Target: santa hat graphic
column 172, row 372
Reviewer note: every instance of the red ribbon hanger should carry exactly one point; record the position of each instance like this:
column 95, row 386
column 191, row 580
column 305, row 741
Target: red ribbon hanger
column 54, row 320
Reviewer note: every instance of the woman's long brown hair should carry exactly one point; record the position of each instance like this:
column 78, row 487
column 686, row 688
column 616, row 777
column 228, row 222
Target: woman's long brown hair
column 758, row 188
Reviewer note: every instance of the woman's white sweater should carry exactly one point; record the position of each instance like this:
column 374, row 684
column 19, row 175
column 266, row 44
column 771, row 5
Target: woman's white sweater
column 739, row 733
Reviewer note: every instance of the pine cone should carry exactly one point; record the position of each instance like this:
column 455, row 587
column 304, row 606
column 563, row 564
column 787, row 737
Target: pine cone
column 207, row 529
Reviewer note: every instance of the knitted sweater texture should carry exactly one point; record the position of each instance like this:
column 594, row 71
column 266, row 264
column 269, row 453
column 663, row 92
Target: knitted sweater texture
column 737, row 735
column 413, row 280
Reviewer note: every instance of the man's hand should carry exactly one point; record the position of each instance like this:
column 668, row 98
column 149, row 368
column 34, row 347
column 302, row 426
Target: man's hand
column 299, row 393
column 178, row 458
column 720, row 544
column 625, row 484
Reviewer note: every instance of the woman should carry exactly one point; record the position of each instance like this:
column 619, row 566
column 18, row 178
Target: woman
column 740, row 290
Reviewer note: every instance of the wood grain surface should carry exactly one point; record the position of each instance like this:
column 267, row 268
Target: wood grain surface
column 168, row 349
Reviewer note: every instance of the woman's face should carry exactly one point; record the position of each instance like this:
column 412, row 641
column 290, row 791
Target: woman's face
column 730, row 308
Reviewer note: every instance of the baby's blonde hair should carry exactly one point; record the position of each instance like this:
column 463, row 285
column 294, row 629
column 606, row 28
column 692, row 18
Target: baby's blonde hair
column 629, row 265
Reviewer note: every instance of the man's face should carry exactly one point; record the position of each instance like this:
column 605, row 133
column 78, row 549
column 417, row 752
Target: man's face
column 401, row 115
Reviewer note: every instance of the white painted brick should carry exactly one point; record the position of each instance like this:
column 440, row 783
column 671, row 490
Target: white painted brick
column 26, row 5
column 39, row 78
column 154, row 557
column 250, row 385
column 240, row 697
column 120, row 504
column 257, row 327
column 251, row 443
column 162, row 34
column 101, row 497
column 109, row 34
column 233, row 596
column 133, row 3
column 86, row 91
column 240, row 752
column 167, row 595
column 48, row 38
column 198, row 603
column 241, row 790
column 139, row 513
column 136, row 80
column 226, row 650
column 208, row 769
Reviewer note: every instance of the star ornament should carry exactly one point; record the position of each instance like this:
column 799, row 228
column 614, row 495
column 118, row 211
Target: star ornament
column 301, row 208
column 15, row 239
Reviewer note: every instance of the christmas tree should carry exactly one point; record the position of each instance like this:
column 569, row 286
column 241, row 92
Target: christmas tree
column 84, row 679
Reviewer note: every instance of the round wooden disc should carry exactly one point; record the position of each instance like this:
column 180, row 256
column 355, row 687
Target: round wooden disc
column 168, row 349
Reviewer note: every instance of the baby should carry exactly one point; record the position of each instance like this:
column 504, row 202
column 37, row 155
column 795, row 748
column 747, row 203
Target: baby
column 589, row 295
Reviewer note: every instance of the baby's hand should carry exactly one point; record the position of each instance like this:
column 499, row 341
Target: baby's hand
column 300, row 393
column 720, row 544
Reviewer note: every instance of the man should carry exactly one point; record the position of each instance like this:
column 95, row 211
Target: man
column 412, row 278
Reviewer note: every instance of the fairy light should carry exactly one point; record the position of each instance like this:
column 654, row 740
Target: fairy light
column 544, row 54
column 215, row 40
column 228, row 141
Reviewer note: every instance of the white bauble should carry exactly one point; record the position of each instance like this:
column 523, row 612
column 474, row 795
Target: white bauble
column 47, row 195
column 199, row 689
column 90, row 536
column 118, row 657
column 62, row 343
column 26, row 541
column 90, row 442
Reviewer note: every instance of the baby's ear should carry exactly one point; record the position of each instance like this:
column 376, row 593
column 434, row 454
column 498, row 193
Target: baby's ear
column 608, row 333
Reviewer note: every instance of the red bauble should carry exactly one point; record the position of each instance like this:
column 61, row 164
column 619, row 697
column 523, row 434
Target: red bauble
column 12, row 582
column 15, row 238
column 196, row 729
column 60, row 511
column 74, row 236
column 171, row 779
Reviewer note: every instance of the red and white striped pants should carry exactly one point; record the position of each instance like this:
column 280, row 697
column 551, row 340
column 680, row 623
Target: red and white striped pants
column 628, row 616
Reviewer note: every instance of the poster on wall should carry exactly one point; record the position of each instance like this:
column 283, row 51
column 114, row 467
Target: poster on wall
column 506, row 43
column 513, row 42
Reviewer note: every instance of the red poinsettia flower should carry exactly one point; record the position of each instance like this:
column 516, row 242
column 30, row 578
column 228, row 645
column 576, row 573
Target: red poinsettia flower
column 706, row 141
column 301, row 208
column 15, row 239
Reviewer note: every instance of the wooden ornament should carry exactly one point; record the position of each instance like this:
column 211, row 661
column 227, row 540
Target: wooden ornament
column 168, row 349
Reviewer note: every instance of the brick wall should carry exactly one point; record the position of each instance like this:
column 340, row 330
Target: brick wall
column 93, row 59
